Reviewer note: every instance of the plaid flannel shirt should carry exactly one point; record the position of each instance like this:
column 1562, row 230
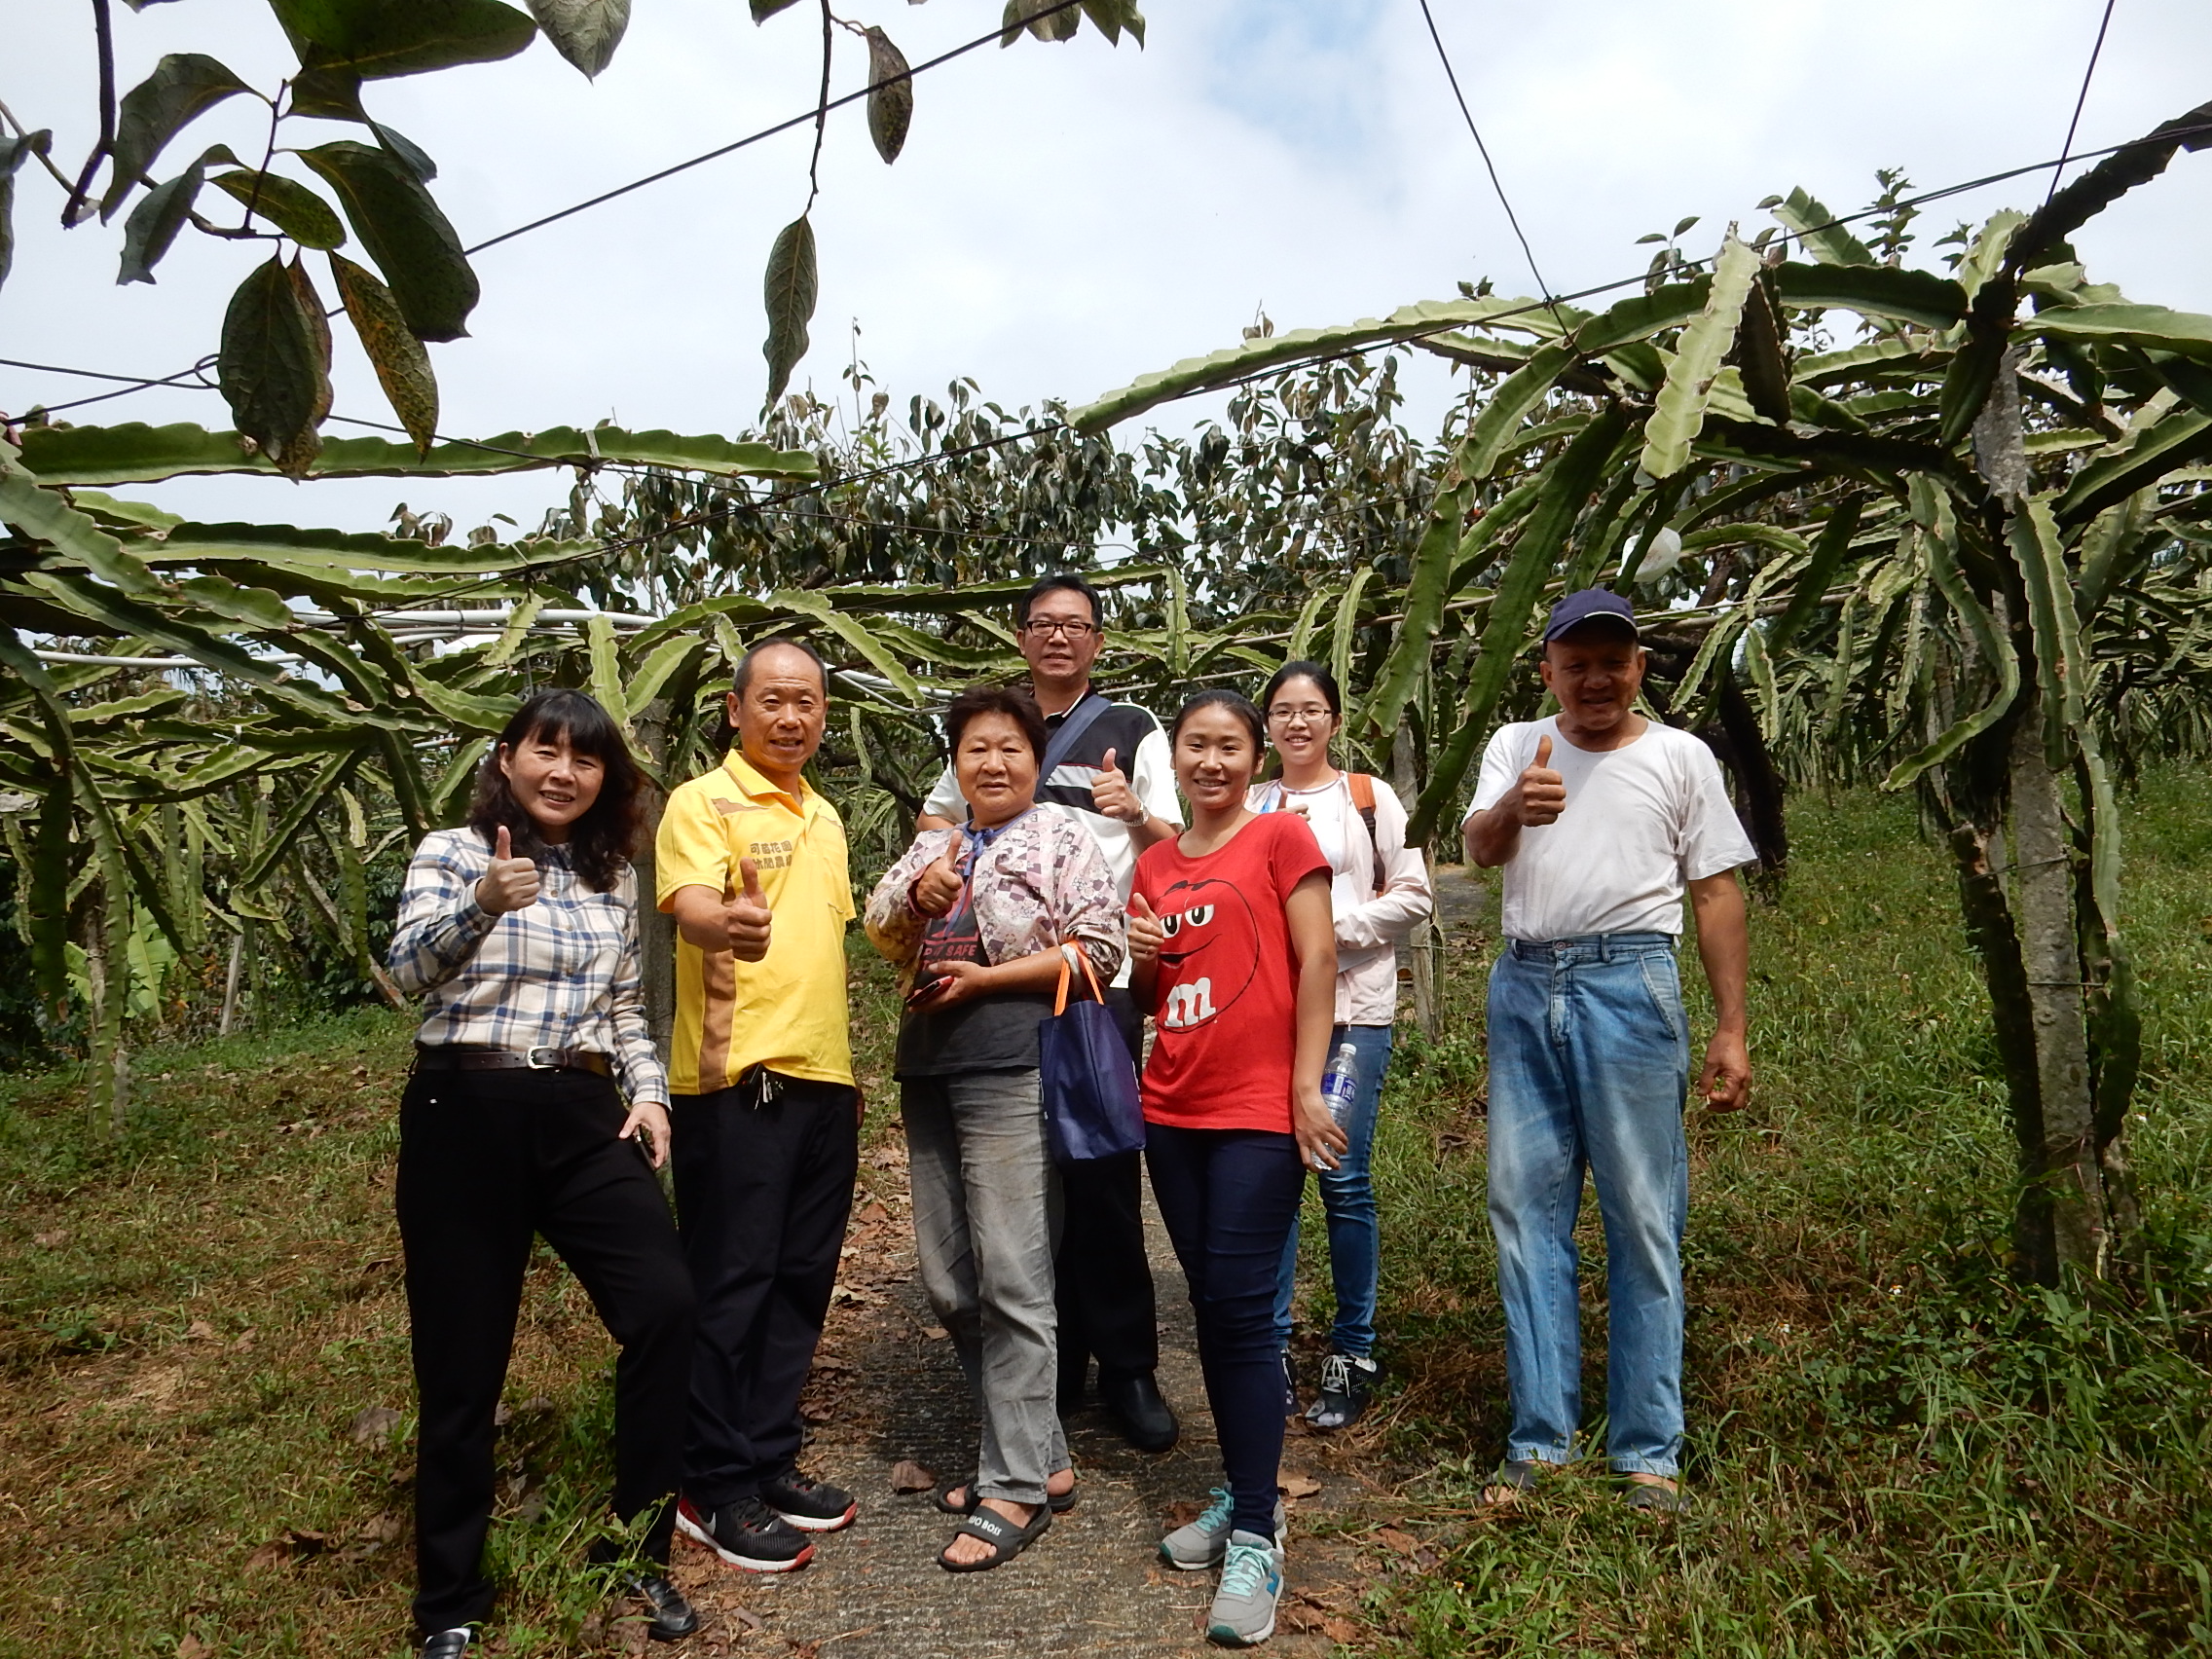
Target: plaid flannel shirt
column 560, row 973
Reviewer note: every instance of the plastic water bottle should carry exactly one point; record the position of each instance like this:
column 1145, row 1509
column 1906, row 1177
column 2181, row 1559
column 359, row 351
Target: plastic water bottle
column 1339, row 1086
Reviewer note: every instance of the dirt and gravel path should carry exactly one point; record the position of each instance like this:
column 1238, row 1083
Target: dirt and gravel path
column 887, row 1389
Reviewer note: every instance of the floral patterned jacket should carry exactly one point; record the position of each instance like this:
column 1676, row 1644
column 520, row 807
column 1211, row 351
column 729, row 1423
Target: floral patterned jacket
column 1043, row 882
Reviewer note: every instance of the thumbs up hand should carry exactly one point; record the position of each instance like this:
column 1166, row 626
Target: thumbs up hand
column 510, row 883
column 1146, row 935
column 746, row 919
column 1111, row 795
column 937, row 888
column 1539, row 793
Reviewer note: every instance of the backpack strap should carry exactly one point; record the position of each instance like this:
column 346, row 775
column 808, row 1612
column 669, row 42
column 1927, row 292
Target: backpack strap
column 1362, row 788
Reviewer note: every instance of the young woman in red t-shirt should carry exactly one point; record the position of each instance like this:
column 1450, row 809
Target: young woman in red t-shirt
column 1234, row 951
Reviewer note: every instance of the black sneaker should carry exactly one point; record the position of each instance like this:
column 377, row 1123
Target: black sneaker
column 747, row 1534
column 669, row 1617
column 1289, row 1385
column 811, row 1506
column 1346, row 1381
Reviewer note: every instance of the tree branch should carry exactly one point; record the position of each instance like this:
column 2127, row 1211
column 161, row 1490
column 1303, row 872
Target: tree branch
column 103, row 31
column 822, row 107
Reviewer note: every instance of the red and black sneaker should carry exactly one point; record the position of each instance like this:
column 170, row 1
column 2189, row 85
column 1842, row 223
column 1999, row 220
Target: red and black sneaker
column 810, row 1505
column 748, row 1534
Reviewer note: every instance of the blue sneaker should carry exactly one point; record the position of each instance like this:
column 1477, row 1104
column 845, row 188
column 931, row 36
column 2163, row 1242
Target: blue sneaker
column 1251, row 1584
column 1201, row 1543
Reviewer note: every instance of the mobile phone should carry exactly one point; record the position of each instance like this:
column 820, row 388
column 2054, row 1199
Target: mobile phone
column 927, row 989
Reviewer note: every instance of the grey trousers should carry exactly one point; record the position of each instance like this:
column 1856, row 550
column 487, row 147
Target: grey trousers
column 986, row 1214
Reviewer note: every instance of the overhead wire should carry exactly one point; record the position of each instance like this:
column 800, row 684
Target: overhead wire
column 2080, row 100
column 1495, row 183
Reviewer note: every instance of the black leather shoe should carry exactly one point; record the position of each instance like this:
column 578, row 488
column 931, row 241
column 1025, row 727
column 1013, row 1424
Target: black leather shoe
column 1138, row 1411
column 447, row 1643
column 672, row 1617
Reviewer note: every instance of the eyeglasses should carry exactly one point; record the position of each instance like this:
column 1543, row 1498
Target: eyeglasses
column 1068, row 630
column 1312, row 715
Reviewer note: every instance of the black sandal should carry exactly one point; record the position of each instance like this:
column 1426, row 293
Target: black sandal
column 1059, row 1502
column 1006, row 1540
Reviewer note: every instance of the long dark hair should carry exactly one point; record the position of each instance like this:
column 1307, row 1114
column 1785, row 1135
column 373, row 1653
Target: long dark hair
column 1324, row 683
column 600, row 841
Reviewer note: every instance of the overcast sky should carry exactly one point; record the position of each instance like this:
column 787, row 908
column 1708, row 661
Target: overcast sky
column 1067, row 217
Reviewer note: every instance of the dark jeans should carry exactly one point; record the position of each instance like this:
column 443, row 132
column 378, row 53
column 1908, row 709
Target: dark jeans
column 762, row 1192
column 1102, row 1279
column 486, row 1159
column 1227, row 1197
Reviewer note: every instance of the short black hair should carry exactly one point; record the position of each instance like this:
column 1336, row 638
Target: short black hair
column 1221, row 697
column 1323, row 682
column 744, row 674
column 1014, row 702
column 1059, row 581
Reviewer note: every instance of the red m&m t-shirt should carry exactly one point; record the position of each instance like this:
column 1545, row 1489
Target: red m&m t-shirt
column 1225, row 1000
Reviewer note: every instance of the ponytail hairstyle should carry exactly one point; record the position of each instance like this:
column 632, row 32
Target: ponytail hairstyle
column 599, row 842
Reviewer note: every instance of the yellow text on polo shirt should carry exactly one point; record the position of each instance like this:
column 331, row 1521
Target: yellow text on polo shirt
column 786, row 1011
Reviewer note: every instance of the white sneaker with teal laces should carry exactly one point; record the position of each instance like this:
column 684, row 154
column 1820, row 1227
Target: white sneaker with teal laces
column 1199, row 1544
column 1251, row 1584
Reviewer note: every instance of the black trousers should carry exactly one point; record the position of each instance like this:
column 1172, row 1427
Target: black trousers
column 762, row 1194
column 486, row 1159
column 1102, row 1277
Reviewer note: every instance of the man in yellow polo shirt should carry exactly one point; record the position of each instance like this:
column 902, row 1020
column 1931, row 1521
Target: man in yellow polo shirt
column 765, row 1139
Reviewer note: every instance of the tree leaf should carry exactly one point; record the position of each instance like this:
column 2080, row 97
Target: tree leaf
column 1679, row 415
column 417, row 159
column 1828, row 558
column 377, row 39
column 890, row 100
column 585, row 32
column 1829, row 243
column 153, row 222
column 402, row 366
column 13, row 153
column 1031, row 15
column 288, row 204
column 275, row 367
column 763, row 10
column 789, row 292
column 182, row 86
column 411, row 241
column 333, row 94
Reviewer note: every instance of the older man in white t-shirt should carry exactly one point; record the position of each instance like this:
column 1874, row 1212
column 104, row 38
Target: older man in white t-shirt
column 1602, row 820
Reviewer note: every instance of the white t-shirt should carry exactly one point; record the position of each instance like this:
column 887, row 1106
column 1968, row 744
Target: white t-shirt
column 1640, row 823
column 1369, row 925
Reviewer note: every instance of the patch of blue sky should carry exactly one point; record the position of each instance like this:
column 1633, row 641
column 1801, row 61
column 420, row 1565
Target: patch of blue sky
column 1308, row 73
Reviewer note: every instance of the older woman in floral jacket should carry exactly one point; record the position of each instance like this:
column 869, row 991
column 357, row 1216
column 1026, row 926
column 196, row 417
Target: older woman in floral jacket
column 982, row 918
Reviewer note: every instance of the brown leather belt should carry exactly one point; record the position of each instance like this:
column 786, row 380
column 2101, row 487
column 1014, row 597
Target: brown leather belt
column 461, row 1057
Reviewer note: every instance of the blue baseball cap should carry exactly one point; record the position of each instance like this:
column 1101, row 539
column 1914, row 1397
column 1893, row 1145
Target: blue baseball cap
column 1576, row 609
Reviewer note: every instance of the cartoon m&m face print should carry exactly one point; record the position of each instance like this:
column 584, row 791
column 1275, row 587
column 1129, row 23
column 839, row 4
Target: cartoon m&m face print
column 1210, row 953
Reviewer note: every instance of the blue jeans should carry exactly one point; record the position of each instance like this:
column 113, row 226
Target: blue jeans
column 1227, row 1197
column 1347, row 1195
column 1589, row 1066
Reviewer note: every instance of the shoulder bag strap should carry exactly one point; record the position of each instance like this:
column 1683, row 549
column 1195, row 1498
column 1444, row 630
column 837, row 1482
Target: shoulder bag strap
column 1073, row 724
column 1362, row 788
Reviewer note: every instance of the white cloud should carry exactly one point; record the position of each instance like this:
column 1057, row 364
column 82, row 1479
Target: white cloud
column 1065, row 218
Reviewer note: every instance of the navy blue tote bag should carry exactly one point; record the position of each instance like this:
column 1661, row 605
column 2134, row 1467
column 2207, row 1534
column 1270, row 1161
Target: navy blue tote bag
column 1088, row 1082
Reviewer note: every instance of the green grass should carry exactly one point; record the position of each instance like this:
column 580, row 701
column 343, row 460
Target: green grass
column 1893, row 1448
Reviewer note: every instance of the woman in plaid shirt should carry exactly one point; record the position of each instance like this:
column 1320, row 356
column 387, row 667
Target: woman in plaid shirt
column 520, row 934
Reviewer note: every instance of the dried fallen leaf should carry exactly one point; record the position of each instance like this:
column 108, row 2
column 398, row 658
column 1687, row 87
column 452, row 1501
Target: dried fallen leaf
column 872, row 1215
column 1291, row 1484
column 372, row 1423
column 192, row 1648
column 200, row 1331
column 1340, row 1631
column 747, row 1617
column 1182, row 1514
column 53, row 1240
column 936, row 1332
column 1405, row 1543
column 906, row 1475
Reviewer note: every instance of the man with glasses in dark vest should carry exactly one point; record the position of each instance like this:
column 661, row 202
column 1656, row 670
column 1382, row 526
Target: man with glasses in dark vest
column 1111, row 769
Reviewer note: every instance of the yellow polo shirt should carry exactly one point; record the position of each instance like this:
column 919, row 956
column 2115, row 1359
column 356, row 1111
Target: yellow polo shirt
column 786, row 1010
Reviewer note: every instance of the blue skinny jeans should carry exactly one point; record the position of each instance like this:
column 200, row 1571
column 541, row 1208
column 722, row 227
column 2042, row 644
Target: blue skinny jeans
column 1227, row 1197
column 1347, row 1196
column 1589, row 1066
